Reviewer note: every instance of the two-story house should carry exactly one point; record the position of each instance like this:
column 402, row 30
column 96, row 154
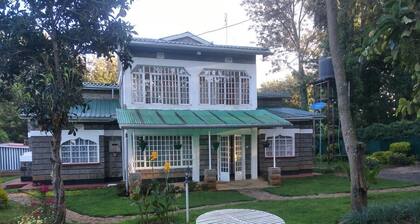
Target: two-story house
column 191, row 102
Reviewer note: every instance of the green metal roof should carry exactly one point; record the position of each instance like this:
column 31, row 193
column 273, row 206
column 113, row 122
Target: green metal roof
column 97, row 109
column 146, row 118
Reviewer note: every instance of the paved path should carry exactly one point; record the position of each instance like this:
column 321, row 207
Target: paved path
column 265, row 196
column 406, row 173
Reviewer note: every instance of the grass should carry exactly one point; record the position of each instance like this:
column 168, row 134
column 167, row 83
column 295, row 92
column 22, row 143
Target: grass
column 11, row 213
column 7, row 178
column 326, row 184
column 106, row 203
column 308, row 211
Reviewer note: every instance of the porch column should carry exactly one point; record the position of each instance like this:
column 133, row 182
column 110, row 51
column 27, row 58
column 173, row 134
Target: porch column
column 209, row 150
column 254, row 153
column 196, row 158
column 273, row 144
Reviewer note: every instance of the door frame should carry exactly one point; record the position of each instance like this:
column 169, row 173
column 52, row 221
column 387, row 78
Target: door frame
column 223, row 176
column 238, row 175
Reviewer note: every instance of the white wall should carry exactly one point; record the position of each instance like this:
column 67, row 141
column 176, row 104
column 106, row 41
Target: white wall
column 194, row 68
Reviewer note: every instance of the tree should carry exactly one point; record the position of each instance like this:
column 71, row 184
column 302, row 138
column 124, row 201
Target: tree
column 353, row 149
column 103, row 70
column 396, row 37
column 284, row 25
column 289, row 85
column 43, row 44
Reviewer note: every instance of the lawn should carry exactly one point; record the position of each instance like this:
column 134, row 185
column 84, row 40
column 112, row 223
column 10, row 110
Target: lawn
column 326, row 184
column 309, row 211
column 11, row 213
column 8, row 178
column 105, row 202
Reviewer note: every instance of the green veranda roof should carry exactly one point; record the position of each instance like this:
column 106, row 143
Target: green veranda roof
column 97, row 109
column 146, row 118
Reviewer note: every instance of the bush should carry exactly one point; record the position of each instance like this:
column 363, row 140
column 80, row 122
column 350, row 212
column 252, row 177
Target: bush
column 400, row 147
column 4, row 199
column 401, row 159
column 372, row 170
column 382, row 156
column 399, row 213
column 399, row 129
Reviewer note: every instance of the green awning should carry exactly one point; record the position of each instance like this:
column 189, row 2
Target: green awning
column 146, row 118
column 97, row 109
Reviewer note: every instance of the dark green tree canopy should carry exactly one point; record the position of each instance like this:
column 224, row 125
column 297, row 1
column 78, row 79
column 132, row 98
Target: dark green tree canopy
column 43, row 43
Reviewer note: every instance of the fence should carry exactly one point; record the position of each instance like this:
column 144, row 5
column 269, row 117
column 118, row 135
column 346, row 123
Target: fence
column 9, row 156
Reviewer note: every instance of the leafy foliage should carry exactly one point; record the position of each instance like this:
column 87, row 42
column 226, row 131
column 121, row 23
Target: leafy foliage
column 103, row 70
column 4, row 199
column 400, row 147
column 43, row 44
column 283, row 25
column 394, row 129
column 396, row 36
column 396, row 213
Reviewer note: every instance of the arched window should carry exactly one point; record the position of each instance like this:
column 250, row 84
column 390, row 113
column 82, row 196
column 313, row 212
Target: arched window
column 79, row 151
column 160, row 85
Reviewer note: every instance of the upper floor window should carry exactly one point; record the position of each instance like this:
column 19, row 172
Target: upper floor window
column 283, row 146
column 160, row 85
column 79, row 151
column 228, row 87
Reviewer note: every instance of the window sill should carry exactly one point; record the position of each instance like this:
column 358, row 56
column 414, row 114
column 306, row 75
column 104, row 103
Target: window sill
column 80, row 164
column 278, row 157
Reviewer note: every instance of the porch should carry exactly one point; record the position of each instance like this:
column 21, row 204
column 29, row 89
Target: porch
column 225, row 142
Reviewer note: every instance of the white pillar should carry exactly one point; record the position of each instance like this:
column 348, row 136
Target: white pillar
column 196, row 158
column 254, row 153
column 273, row 144
column 209, row 150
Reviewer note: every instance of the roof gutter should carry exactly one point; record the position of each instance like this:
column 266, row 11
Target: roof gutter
column 214, row 48
column 204, row 126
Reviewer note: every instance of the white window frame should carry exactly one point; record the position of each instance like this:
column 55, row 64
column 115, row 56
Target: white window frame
column 178, row 159
column 160, row 85
column 288, row 147
column 86, row 143
column 224, row 87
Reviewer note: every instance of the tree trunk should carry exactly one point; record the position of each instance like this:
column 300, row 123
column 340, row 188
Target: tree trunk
column 303, row 92
column 354, row 151
column 57, row 181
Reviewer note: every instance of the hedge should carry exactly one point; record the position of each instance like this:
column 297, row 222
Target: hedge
column 399, row 129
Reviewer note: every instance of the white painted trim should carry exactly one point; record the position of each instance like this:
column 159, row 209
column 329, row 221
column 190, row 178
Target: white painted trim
column 285, row 131
column 195, row 158
column 113, row 133
column 38, row 134
column 254, row 153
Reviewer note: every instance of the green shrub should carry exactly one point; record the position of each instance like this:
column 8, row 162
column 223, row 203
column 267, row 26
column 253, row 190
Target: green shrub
column 381, row 156
column 372, row 170
column 401, row 159
column 399, row 129
column 4, row 199
column 398, row 213
column 400, row 147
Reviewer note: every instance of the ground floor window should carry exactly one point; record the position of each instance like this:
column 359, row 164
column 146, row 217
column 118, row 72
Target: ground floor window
column 79, row 151
column 283, row 146
column 167, row 148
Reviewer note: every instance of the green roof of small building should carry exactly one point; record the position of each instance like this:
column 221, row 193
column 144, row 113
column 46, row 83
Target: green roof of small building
column 97, row 109
column 146, row 118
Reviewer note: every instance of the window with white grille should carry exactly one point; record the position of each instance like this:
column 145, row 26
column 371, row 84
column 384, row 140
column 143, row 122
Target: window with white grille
column 283, row 146
column 228, row 87
column 166, row 150
column 160, row 85
column 79, row 151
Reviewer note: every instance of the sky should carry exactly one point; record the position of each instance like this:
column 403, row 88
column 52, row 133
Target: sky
column 160, row 18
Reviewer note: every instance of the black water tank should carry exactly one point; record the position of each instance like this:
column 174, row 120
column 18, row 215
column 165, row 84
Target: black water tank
column 325, row 68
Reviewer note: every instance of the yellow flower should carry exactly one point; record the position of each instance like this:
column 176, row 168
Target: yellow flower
column 154, row 155
column 167, row 167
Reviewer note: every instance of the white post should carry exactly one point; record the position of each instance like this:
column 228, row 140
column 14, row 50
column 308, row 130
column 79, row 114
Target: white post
column 274, row 150
column 187, row 204
column 196, row 158
column 254, row 153
column 209, row 150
